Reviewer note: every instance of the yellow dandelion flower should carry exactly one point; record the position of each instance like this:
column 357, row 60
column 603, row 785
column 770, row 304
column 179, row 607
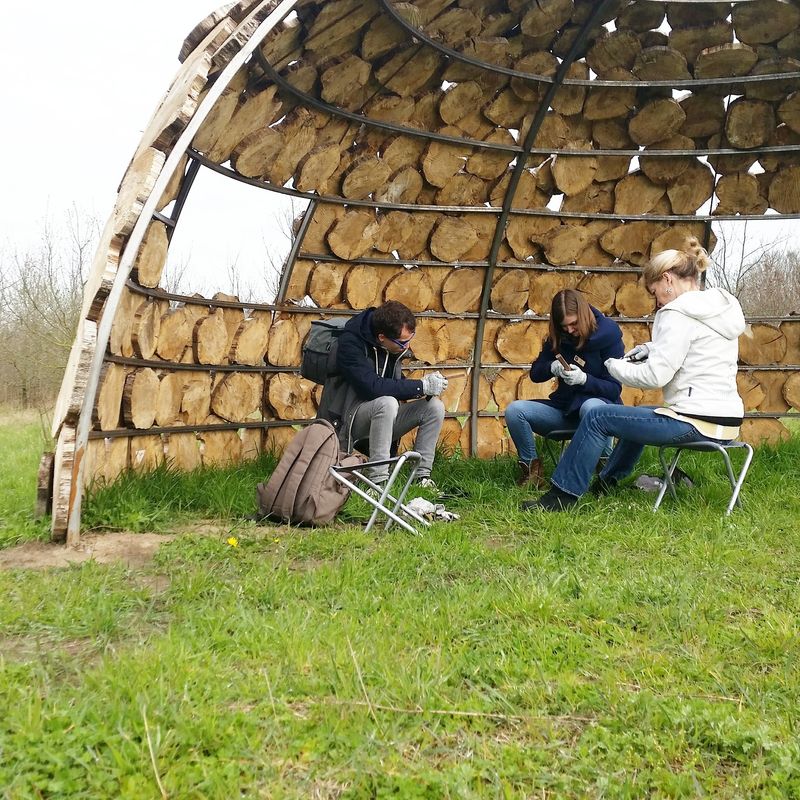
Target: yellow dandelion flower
column 233, row 541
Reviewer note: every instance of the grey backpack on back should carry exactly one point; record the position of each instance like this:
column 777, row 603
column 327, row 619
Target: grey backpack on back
column 319, row 351
column 301, row 490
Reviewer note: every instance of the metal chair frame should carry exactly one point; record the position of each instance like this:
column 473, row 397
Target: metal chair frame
column 381, row 500
column 705, row 447
column 561, row 435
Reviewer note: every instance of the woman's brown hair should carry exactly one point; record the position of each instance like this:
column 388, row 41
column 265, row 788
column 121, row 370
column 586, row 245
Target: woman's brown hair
column 566, row 303
column 689, row 263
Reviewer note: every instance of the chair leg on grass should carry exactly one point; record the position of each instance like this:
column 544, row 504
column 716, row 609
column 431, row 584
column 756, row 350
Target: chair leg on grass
column 666, row 482
column 735, row 481
column 385, row 503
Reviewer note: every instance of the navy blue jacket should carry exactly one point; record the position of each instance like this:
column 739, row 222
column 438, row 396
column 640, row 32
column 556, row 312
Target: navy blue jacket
column 605, row 342
column 365, row 372
column 372, row 371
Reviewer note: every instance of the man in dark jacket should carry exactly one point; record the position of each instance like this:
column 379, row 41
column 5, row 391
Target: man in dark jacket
column 364, row 401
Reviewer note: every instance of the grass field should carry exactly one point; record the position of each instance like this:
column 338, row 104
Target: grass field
column 608, row 652
column 22, row 441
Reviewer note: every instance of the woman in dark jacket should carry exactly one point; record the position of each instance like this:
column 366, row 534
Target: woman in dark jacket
column 584, row 338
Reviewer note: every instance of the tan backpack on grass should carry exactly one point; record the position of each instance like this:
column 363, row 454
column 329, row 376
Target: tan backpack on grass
column 301, row 490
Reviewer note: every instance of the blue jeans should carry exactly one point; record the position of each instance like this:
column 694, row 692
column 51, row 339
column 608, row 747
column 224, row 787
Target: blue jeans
column 634, row 428
column 526, row 417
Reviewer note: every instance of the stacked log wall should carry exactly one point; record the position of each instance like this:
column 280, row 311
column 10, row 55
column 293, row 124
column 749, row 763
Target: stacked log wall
column 410, row 154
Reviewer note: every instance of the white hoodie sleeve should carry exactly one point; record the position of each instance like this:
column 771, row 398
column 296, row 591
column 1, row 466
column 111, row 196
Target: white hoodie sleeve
column 671, row 340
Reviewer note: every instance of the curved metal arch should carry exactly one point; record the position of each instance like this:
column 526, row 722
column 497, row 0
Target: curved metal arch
column 419, row 133
column 529, row 265
column 486, row 209
column 514, row 73
column 291, row 258
column 361, row 119
column 334, row 199
column 259, row 183
column 137, row 235
column 536, row 124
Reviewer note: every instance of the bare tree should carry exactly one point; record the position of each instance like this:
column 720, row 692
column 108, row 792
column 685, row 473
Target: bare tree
column 174, row 277
column 764, row 276
column 277, row 250
column 735, row 258
column 773, row 287
column 41, row 290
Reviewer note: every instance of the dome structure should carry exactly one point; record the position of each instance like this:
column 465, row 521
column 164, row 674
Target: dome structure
column 466, row 157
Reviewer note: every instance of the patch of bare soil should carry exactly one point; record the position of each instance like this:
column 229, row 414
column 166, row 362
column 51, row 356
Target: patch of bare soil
column 28, row 648
column 130, row 549
column 207, row 528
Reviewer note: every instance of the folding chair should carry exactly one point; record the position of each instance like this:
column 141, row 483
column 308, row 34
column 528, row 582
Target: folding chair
column 705, row 447
column 560, row 435
column 381, row 500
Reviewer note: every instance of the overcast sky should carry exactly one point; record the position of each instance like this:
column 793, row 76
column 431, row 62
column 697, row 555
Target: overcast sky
column 82, row 80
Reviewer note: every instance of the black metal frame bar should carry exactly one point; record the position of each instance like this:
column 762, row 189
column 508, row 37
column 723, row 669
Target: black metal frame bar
column 160, row 294
column 269, row 369
column 393, row 127
column 183, row 193
column 513, row 73
column 495, row 210
column 171, row 221
column 361, row 119
column 502, row 221
column 121, row 433
column 291, row 258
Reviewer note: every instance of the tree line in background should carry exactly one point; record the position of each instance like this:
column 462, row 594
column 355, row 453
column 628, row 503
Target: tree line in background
column 40, row 296
column 41, row 291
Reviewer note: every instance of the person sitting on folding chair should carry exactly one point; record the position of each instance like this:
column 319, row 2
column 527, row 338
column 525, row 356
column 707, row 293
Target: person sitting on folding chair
column 693, row 357
column 584, row 339
column 364, row 400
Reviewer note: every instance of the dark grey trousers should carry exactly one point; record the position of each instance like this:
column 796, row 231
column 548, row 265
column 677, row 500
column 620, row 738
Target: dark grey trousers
column 385, row 419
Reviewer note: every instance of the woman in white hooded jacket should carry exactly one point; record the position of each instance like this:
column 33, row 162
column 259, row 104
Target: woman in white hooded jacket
column 692, row 357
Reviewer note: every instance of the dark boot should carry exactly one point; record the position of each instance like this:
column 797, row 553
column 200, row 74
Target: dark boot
column 531, row 474
column 554, row 500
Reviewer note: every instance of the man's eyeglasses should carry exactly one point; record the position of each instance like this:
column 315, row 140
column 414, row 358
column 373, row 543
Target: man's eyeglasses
column 404, row 343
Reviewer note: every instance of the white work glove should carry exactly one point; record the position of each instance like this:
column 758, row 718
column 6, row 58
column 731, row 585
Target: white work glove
column 432, row 511
column 557, row 369
column 638, row 353
column 434, row 384
column 574, row 377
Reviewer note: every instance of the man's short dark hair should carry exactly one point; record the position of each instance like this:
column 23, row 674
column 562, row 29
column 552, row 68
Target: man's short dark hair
column 390, row 319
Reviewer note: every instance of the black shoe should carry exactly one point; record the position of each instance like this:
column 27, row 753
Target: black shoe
column 554, row 500
column 601, row 486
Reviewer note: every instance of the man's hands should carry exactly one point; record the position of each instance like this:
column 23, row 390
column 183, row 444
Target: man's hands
column 574, row 377
column 434, row 384
column 638, row 353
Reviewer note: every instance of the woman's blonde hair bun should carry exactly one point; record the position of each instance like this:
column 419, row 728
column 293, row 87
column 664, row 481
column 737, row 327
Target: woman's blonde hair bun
column 690, row 262
column 699, row 253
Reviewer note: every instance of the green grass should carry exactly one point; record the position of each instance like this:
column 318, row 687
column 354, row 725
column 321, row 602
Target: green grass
column 609, row 652
column 22, row 442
